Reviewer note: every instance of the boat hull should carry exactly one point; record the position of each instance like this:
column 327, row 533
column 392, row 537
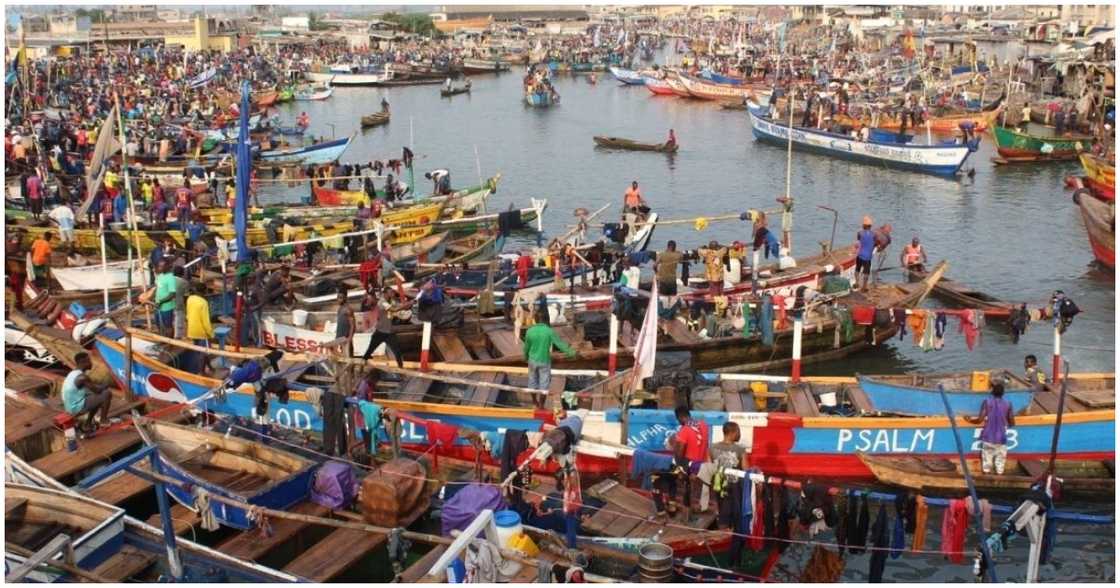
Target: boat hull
column 320, row 154
column 937, row 160
column 1100, row 176
column 1010, row 143
column 627, row 76
column 1100, row 225
column 890, row 397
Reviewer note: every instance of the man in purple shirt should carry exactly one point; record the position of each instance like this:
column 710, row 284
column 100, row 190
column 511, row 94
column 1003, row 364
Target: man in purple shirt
column 997, row 416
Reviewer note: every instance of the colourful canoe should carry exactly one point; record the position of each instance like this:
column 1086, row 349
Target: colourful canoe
column 228, row 466
column 1013, row 144
column 1100, row 224
column 917, row 395
column 1100, row 176
column 944, row 160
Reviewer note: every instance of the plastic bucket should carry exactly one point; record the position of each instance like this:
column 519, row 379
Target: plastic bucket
column 655, row 563
column 299, row 317
column 509, row 526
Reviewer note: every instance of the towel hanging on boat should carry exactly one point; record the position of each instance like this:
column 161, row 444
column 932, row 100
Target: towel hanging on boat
column 921, row 515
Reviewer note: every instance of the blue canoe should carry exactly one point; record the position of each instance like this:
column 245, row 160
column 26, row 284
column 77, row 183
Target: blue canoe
column 917, row 395
column 318, row 154
column 714, row 77
column 541, row 99
column 228, row 466
column 942, row 160
column 627, row 76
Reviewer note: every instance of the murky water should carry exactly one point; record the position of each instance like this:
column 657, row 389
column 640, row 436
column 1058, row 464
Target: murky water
column 1010, row 231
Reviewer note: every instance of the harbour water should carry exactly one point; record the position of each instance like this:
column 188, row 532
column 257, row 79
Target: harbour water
column 1009, row 231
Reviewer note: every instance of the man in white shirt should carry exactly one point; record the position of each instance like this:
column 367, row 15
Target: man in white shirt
column 64, row 218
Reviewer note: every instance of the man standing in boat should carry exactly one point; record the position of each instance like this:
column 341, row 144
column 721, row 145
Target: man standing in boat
column 633, row 200
column 865, row 240
column 996, row 416
column 539, row 341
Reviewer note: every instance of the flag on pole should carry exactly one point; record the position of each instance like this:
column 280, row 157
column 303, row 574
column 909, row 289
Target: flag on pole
column 244, row 166
column 645, row 350
column 106, row 147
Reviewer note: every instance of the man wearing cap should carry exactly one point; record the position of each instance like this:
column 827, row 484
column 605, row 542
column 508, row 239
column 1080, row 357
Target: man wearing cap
column 865, row 240
column 913, row 256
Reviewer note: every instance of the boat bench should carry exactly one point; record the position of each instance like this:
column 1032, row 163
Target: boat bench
column 183, row 519
column 125, row 564
column 802, row 402
column 334, row 554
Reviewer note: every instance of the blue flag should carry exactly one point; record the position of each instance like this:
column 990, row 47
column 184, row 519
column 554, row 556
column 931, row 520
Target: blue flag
column 244, row 167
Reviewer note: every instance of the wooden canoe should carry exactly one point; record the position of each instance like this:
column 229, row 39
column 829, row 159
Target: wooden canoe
column 966, row 297
column 1100, row 224
column 917, row 394
column 1012, row 144
column 228, row 466
column 373, row 120
column 1100, row 176
column 620, row 143
column 33, row 517
column 932, row 475
column 445, row 93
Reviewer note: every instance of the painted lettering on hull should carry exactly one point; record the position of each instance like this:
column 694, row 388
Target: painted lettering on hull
column 902, row 440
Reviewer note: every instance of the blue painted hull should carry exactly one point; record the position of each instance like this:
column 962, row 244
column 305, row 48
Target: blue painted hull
column 719, row 79
column 279, row 496
column 942, row 160
column 320, row 154
column 539, row 100
column 894, row 399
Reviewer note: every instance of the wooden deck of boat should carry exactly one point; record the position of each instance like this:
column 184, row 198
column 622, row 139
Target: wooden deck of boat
column 251, row 546
column 334, row 554
column 629, row 514
column 183, row 519
column 125, row 564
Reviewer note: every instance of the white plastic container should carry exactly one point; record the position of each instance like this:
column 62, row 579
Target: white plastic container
column 299, row 317
column 509, row 525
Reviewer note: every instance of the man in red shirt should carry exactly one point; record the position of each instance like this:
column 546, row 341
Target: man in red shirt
column 690, row 449
column 524, row 262
column 370, row 269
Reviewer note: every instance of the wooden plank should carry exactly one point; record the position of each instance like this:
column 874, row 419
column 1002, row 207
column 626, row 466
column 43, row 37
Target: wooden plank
column 98, row 450
column 1034, row 468
column 556, row 390
column 415, row 572
column 504, row 343
column 859, row 399
column 334, row 554
column 570, row 336
column 450, row 347
column 802, row 402
column 251, row 546
column 22, row 421
column 679, row 332
column 183, row 519
column 623, row 525
column 120, row 488
column 125, row 564
column 1095, row 399
column 1047, row 401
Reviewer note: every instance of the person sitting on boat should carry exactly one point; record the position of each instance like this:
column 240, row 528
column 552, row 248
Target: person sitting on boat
column 303, row 120
column 1034, row 374
column 996, row 416
column 672, row 142
column 913, row 256
column 82, row 396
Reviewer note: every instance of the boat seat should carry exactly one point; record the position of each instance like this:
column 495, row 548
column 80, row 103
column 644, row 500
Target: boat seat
column 183, row 519
column 1033, row 467
column 125, row 564
column 859, row 399
column 802, row 402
